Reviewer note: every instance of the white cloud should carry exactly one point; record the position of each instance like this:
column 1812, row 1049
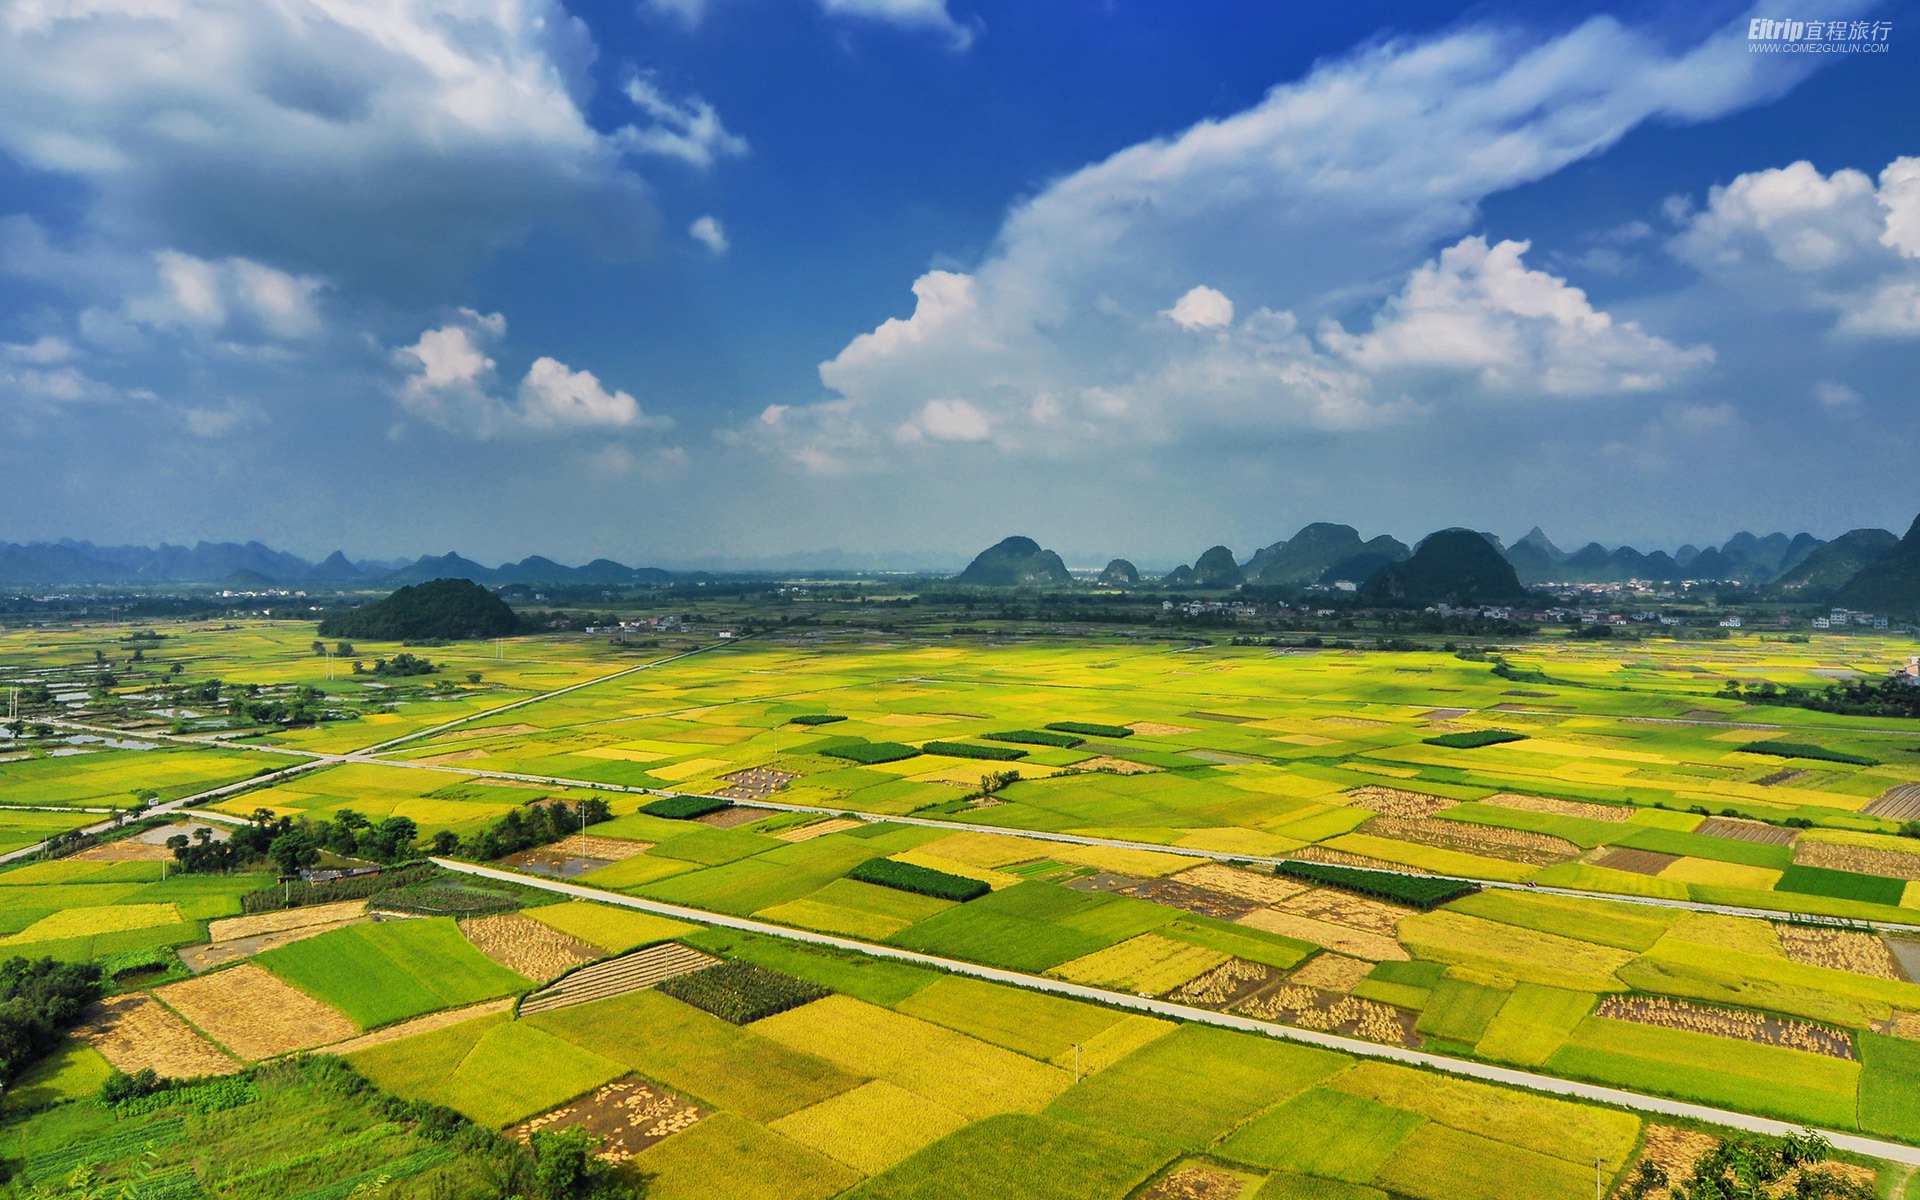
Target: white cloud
column 1201, row 308
column 947, row 421
column 197, row 293
column 710, row 233
column 379, row 135
column 1478, row 310
column 43, row 350
column 1792, row 238
column 689, row 130
column 1303, row 207
column 449, row 379
column 688, row 12
column 554, row 394
column 929, row 15
column 209, row 422
column 1836, row 397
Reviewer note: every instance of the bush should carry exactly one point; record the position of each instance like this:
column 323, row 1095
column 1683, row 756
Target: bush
column 1808, row 750
column 814, row 719
column 684, row 808
column 120, row 1087
column 869, row 753
column 1034, row 737
column 925, row 881
column 741, row 992
column 1416, row 891
column 1090, row 728
column 967, row 750
column 1473, row 739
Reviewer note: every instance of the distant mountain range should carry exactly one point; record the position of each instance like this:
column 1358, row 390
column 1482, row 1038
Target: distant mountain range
column 254, row 565
column 1868, row 567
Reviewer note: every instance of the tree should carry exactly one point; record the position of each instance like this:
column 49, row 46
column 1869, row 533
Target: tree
column 391, row 839
column 444, row 843
column 566, row 1167
column 343, row 649
column 473, row 677
column 319, row 648
column 293, row 850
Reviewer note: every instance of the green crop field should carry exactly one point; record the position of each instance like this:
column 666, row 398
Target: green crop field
column 379, row 974
column 1633, row 780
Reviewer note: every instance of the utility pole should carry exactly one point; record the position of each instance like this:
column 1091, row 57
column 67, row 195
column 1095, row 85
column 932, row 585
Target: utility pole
column 1076, row 1062
column 1597, row 1186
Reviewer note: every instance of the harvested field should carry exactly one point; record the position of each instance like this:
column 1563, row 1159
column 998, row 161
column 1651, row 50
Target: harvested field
column 1358, row 943
column 426, row 1024
column 453, row 756
column 1226, row 985
column 1331, row 972
column 1343, row 858
column 616, row 976
column 1676, row 1151
column 200, row 959
column 1640, row 862
column 755, row 783
column 1901, row 802
column 1115, row 766
column 624, row 1117
column 1394, row 802
column 1737, row 1023
column 254, row 1013
column 1354, row 722
column 1902, row 1024
column 1331, row 1012
column 540, row 952
column 123, row 850
column 731, row 817
column 1198, row 1181
column 1560, row 808
column 1249, row 885
column 227, row 928
column 1225, row 758
column 1840, row 949
column 460, row 735
column 1160, row 729
column 611, row 849
column 1172, row 893
column 135, row 1031
column 806, row 833
column 1748, row 831
column 1894, row 864
column 1514, row 845
column 1345, row 908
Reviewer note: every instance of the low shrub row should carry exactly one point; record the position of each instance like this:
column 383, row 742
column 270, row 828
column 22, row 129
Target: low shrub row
column 969, row 750
column 814, row 719
column 741, row 992
column 294, row 894
column 1035, row 737
column 1473, row 739
column 869, row 753
column 1808, row 750
column 1090, row 729
column 1416, row 891
column 924, row 881
column 684, row 808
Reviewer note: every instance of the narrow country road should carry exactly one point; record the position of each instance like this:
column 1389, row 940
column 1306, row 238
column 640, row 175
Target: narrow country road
column 1618, row 1097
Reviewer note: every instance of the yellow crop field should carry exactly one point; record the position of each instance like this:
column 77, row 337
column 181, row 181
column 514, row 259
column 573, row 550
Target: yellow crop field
column 610, row 927
column 872, row 1126
column 1513, row 954
column 1148, row 965
column 85, row 922
column 969, row 1075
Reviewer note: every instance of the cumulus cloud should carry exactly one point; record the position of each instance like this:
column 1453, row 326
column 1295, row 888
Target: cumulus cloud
column 947, row 421
column 1201, row 308
column 1792, row 237
column 1478, row 310
column 1304, row 207
column 710, row 233
column 450, row 379
column 1835, row 397
column 689, row 130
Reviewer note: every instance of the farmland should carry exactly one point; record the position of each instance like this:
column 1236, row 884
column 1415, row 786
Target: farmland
column 1401, row 916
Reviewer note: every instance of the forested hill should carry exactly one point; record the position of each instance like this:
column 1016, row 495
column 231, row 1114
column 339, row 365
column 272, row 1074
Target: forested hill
column 448, row 609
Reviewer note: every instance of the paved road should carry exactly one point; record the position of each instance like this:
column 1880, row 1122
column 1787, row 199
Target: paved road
column 1619, row 1097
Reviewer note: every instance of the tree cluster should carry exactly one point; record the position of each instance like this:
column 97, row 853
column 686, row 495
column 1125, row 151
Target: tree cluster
column 525, row 828
column 40, row 1001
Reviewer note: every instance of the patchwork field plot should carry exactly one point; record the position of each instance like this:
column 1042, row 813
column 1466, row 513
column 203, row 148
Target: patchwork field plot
column 628, row 973
column 380, row 973
column 136, row 1032
column 624, row 1117
column 254, row 1014
column 528, row 947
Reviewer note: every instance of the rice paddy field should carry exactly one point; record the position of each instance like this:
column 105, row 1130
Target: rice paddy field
column 1187, row 772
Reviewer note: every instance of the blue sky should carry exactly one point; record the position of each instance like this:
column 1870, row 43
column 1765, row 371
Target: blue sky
column 748, row 280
